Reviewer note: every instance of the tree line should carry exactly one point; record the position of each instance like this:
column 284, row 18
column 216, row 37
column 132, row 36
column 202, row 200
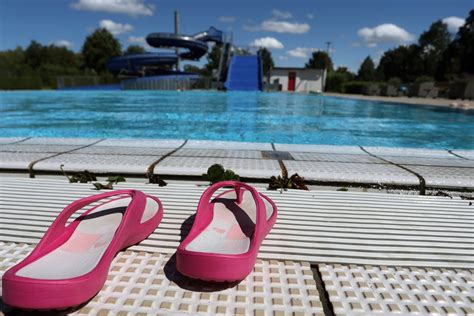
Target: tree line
column 37, row 66
column 437, row 56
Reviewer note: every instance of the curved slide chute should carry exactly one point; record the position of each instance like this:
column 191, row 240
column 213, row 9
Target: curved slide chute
column 194, row 47
column 135, row 63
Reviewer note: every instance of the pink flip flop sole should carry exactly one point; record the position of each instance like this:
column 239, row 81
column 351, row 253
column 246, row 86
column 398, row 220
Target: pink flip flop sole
column 227, row 233
column 70, row 264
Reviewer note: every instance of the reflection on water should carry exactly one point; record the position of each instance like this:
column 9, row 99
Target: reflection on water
column 241, row 116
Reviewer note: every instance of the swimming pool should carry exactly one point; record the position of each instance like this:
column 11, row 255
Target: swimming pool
column 237, row 116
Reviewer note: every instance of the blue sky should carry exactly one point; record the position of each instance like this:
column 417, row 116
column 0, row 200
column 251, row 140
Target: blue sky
column 291, row 29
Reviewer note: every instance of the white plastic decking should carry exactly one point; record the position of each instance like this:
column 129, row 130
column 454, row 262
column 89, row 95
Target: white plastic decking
column 376, row 253
column 450, row 169
column 313, row 226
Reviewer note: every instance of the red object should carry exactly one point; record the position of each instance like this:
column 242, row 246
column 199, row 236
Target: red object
column 291, row 81
column 221, row 266
column 43, row 293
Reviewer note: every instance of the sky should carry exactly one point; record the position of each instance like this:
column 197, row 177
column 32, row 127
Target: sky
column 290, row 29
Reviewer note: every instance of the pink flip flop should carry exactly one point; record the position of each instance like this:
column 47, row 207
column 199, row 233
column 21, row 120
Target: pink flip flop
column 227, row 232
column 70, row 264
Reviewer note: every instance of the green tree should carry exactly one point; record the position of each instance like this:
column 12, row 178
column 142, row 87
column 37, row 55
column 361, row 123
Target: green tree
column 320, row 60
column 449, row 65
column 433, row 44
column 343, row 70
column 34, row 55
column 367, row 70
column 465, row 41
column 403, row 62
column 458, row 57
column 12, row 63
column 99, row 47
column 61, row 56
column 134, row 49
column 193, row 69
column 267, row 61
column 213, row 59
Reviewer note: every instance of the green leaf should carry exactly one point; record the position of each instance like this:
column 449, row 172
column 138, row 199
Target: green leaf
column 100, row 186
column 116, row 179
column 217, row 173
column 230, row 175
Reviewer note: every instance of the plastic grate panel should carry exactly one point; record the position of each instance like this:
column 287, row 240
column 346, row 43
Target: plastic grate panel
column 9, row 140
column 221, row 153
column 140, row 282
column 413, row 152
column 351, row 172
column 426, row 161
column 158, row 143
column 209, row 144
column 469, row 154
column 60, row 141
column 328, row 149
column 122, row 150
column 369, row 290
column 335, row 157
column 446, row 176
column 253, row 168
column 314, row 226
column 97, row 163
column 26, row 148
column 19, row 160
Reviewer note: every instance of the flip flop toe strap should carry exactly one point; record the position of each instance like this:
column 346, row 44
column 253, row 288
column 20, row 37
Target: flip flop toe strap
column 239, row 187
column 58, row 227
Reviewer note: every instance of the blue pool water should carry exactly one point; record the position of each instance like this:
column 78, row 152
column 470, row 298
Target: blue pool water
column 238, row 116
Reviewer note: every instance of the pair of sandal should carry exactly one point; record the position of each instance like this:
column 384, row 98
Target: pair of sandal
column 70, row 264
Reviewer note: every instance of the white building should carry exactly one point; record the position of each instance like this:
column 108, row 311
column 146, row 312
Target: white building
column 299, row 79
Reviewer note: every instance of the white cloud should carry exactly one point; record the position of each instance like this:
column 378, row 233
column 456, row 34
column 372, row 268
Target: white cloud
column 385, row 33
column 268, row 42
column 63, row 43
column 310, row 16
column 277, row 14
column 454, row 23
column 136, row 40
column 139, row 40
column 227, row 19
column 285, row 27
column 115, row 28
column 301, row 52
column 283, row 57
column 130, row 7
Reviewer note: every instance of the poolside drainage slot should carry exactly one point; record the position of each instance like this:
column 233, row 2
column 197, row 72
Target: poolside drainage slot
column 33, row 163
column 459, row 156
column 420, row 178
column 17, row 142
column 151, row 168
column 276, row 155
column 328, row 308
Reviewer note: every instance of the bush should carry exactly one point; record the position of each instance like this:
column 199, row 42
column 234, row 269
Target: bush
column 335, row 82
column 20, row 83
column 422, row 79
column 395, row 81
column 355, row 87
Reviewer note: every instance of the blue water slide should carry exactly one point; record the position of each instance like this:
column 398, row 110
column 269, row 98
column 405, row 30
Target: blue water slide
column 245, row 73
column 134, row 63
column 194, row 47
